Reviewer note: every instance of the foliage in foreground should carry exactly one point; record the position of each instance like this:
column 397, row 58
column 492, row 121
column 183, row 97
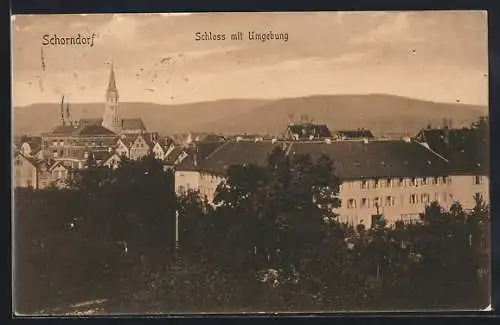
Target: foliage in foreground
column 272, row 244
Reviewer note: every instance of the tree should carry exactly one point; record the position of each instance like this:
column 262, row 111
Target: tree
column 275, row 213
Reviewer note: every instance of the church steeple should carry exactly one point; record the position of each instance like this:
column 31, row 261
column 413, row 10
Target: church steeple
column 112, row 82
column 111, row 119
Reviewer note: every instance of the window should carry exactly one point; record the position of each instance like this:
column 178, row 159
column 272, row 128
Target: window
column 376, row 201
column 364, row 202
column 390, row 201
column 377, row 183
column 351, row 204
column 436, row 197
column 434, row 181
column 181, row 189
column 401, row 182
column 478, row 180
column 388, row 182
column 425, row 198
column 425, row 181
column 413, row 199
column 413, row 181
column 444, row 180
column 449, row 180
column 364, row 184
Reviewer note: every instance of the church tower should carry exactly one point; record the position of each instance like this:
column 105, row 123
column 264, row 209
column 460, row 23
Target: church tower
column 111, row 120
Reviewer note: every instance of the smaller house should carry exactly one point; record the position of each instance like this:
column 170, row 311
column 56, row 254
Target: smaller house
column 174, row 157
column 59, row 174
column 307, row 131
column 123, row 146
column 113, row 161
column 38, row 174
column 354, row 134
column 140, row 147
column 31, row 146
column 162, row 147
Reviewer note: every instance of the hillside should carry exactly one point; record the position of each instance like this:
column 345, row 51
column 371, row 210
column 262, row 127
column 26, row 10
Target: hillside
column 383, row 114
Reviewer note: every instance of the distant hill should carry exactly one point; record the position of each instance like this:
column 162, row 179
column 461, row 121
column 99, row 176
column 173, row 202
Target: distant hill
column 383, row 114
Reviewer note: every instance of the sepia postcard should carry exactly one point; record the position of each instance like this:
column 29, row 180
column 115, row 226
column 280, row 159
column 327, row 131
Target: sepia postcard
column 244, row 163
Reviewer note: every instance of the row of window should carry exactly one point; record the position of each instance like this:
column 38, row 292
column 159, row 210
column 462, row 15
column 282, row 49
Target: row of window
column 403, row 182
column 390, row 200
column 400, row 182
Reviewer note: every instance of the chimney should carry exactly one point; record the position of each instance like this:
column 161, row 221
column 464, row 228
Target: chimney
column 195, row 157
column 63, row 121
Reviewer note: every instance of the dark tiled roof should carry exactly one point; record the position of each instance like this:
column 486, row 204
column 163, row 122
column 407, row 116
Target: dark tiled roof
column 352, row 159
column 95, row 129
column 128, row 140
column 466, row 149
column 355, row 134
column 173, row 155
column 133, row 124
column 304, row 131
column 234, row 153
column 90, row 121
column 64, row 130
column 102, row 155
column 376, row 159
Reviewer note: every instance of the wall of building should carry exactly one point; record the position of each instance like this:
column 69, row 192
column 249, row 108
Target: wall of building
column 464, row 187
column 398, row 198
column 25, row 174
column 139, row 149
column 186, row 180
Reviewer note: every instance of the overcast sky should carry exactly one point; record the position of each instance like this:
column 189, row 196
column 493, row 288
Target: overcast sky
column 439, row 56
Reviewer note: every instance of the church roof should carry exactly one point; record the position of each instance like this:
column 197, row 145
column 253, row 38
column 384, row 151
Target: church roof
column 133, row 124
column 95, row 130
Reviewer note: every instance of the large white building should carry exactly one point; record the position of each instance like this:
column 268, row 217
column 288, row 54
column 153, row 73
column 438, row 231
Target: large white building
column 395, row 178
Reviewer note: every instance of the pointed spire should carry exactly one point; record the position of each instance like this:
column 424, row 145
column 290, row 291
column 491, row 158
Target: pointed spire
column 112, row 82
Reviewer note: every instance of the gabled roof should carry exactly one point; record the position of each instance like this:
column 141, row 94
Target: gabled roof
column 171, row 158
column 33, row 161
column 128, row 140
column 56, row 164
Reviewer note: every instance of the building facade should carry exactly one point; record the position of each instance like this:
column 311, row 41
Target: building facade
column 394, row 178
